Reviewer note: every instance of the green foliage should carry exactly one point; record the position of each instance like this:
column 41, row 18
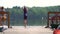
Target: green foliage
column 35, row 14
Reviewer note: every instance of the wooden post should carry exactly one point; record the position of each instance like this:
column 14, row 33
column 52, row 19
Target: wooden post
column 8, row 20
column 56, row 18
column 48, row 20
column 0, row 20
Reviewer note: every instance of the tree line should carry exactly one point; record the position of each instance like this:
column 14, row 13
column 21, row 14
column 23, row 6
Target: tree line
column 35, row 14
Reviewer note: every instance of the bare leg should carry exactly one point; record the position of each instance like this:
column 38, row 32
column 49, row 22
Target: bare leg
column 25, row 23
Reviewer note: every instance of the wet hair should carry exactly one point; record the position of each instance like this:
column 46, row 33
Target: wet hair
column 2, row 7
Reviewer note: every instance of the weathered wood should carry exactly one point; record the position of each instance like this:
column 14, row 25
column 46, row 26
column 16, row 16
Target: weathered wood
column 53, row 18
column 3, row 19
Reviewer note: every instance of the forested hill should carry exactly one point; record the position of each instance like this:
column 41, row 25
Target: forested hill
column 34, row 13
column 34, row 10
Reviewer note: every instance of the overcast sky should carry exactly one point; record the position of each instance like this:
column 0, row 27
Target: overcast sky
column 29, row 3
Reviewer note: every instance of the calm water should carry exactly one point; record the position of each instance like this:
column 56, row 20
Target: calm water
column 30, row 23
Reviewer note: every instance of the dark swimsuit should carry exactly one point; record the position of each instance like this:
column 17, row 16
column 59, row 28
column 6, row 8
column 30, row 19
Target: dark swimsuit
column 25, row 13
column 25, row 16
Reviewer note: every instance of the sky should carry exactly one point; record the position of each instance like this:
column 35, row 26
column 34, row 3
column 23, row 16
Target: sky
column 29, row 3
